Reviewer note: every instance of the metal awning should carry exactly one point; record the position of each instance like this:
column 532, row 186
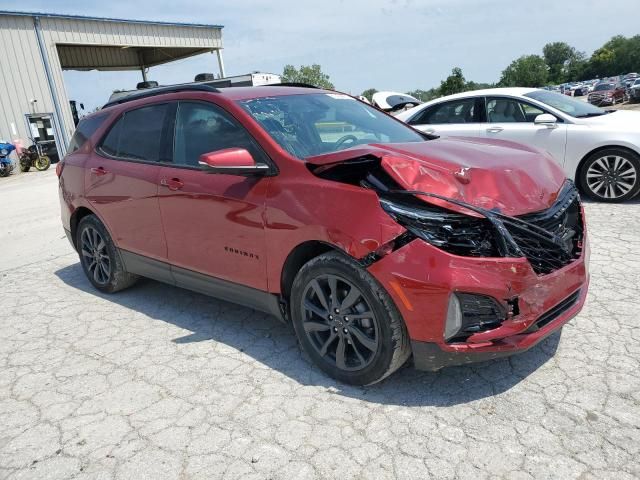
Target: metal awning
column 94, row 57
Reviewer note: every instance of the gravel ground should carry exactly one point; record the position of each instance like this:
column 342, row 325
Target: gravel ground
column 160, row 383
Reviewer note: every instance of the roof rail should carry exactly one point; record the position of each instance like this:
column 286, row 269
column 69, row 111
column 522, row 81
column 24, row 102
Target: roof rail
column 291, row 84
column 152, row 92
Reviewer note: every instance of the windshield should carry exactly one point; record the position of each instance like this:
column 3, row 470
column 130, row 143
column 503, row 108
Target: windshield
column 603, row 86
column 568, row 105
column 313, row 124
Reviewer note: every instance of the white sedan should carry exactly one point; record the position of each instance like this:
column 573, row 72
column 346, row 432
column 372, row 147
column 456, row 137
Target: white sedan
column 599, row 149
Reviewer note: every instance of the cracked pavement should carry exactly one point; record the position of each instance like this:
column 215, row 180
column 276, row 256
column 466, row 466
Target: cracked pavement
column 161, row 383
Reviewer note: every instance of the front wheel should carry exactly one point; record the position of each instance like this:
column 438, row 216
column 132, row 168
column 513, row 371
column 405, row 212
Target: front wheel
column 100, row 260
column 611, row 175
column 43, row 163
column 346, row 322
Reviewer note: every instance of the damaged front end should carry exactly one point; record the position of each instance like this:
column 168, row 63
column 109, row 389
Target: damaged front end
column 481, row 283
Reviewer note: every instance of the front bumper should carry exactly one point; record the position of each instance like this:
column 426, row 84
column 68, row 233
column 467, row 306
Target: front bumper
column 420, row 278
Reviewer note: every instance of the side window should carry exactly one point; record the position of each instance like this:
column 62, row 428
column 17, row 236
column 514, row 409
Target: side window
column 203, row 128
column 85, row 129
column 509, row 110
column 456, row 111
column 137, row 135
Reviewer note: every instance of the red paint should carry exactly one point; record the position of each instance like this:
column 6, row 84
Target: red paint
column 230, row 157
column 190, row 218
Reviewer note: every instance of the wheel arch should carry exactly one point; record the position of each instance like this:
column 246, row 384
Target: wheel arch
column 78, row 214
column 300, row 255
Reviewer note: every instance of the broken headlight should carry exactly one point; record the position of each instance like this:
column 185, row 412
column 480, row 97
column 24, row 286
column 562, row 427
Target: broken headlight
column 452, row 232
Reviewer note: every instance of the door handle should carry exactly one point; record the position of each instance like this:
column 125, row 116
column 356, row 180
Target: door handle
column 173, row 184
column 99, row 171
column 495, row 129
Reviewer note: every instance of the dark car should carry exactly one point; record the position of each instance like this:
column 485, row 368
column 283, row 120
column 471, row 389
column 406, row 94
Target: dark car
column 374, row 241
column 607, row 94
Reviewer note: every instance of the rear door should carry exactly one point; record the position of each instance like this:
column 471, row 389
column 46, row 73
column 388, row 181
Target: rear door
column 121, row 180
column 213, row 223
column 513, row 119
column 460, row 117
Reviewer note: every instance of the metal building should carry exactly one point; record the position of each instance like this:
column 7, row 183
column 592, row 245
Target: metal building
column 36, row 47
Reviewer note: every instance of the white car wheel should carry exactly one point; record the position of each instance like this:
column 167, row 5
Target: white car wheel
column 611, row 175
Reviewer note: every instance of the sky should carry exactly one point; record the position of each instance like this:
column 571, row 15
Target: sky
column 398, row 45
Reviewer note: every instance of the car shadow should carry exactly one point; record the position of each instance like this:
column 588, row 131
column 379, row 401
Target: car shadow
column 272, row 343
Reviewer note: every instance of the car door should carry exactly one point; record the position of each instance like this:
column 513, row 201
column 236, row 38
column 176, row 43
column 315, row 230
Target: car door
column 512, row 119
column 121, row 181
column 460, row 117
column 213, row 223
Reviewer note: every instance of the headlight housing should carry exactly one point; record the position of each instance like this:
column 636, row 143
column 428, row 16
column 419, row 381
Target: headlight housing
column 4, row 152
column 452, row 232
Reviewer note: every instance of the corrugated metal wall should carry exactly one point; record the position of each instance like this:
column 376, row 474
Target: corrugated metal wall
column 23, row 75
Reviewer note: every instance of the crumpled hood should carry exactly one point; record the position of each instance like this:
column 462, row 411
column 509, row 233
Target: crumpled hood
column 491, row 174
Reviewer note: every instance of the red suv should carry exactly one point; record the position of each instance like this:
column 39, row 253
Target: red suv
column 375, row 241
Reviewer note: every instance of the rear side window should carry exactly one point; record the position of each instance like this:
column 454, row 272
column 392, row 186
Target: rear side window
column 137, row 135
column 86, row 128
column 454, row 112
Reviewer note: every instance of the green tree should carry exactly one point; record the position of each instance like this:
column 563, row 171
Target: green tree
column 310, row 74
column 619, row 55
column 557, row 55
column 369, row 93
column 454, row 83
column 526, row 71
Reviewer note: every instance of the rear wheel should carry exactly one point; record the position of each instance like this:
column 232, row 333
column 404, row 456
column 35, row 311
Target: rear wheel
column 25, row 165
column 346, row 322
column 611, row 175
column 100, row 260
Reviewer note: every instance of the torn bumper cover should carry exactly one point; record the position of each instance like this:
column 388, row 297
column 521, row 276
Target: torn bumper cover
column 484, row 295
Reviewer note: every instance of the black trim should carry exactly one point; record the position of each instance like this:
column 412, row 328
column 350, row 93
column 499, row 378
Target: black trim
column 201, row 283
column 147, row 267
column 152, row 92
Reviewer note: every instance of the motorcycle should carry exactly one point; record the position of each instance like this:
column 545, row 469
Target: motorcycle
column 6, row 165
column 34, row 157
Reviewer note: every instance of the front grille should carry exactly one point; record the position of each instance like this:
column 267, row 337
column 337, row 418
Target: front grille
column 555, row 312
column 550, row 239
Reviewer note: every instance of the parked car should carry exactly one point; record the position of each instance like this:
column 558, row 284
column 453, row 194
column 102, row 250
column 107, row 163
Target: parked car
column 375, row 244
column 599, row 149
column 634, row 91
column 607, row 94
column 630, row 78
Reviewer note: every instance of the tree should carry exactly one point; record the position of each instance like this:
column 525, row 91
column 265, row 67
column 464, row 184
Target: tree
column 556, row 55
column 619, row 55
column 454, row 83
column 369, row 93
column 526, row 71
column 311, row 75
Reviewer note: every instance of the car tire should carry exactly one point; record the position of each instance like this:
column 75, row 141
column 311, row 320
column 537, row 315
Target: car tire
column 346, row 322
column 99, row 257
column 611, row 175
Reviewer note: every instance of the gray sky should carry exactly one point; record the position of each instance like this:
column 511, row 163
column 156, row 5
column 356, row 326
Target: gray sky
column 385, row 44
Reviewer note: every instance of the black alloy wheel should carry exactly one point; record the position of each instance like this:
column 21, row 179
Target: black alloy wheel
column 339, row 323
column 93, row 249
column 99, row 257
column 346, row 322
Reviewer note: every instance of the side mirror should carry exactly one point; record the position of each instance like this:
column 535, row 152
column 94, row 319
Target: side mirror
column 232, row 161
column 547, row 120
